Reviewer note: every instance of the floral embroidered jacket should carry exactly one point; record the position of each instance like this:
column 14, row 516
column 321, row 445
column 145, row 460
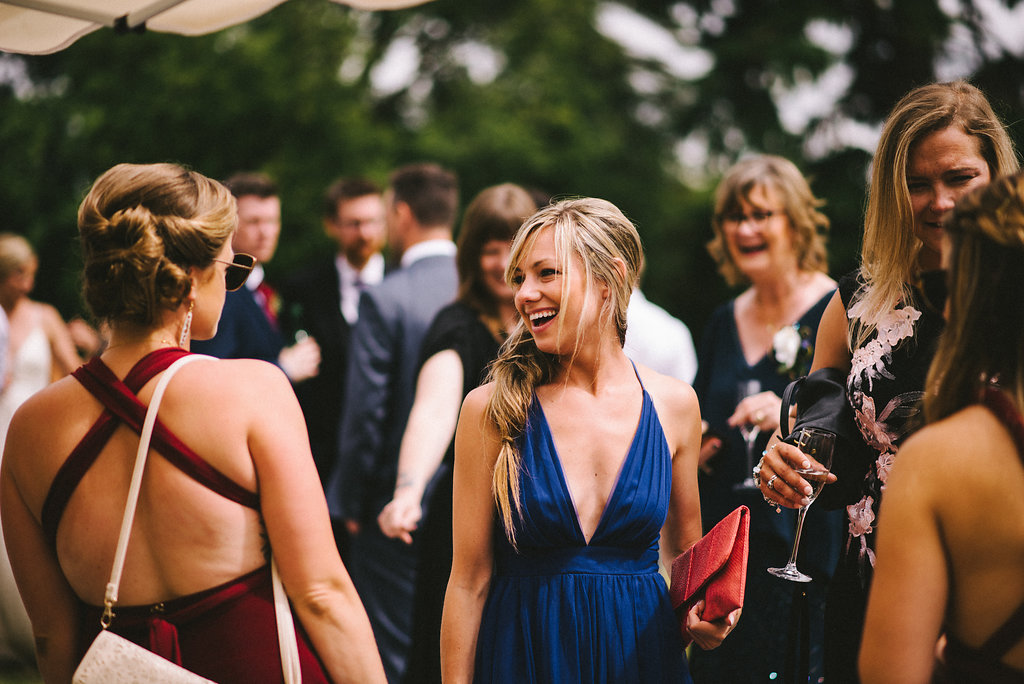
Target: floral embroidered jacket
column 885, row 387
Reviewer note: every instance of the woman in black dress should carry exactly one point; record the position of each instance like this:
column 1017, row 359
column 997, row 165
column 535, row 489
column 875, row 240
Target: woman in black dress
column 940, row 141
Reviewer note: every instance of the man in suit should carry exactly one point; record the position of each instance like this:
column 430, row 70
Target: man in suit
column 322, row 301
column 249, row 328
column 383, row 363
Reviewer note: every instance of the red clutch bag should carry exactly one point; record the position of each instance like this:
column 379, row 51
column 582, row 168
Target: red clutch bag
column 713, row 569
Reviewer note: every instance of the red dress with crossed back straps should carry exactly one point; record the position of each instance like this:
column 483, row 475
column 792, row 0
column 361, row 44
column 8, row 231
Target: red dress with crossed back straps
column 227, row 633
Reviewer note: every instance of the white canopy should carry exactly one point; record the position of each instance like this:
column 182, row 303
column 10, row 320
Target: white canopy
column 43, row 26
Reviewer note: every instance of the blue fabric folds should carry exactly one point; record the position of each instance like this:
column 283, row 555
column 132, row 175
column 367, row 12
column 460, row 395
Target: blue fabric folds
column 562, row 610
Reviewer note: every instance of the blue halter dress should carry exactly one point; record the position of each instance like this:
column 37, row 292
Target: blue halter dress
column 562, row 610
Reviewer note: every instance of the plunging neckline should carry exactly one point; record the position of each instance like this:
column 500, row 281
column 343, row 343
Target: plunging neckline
column 613, row 493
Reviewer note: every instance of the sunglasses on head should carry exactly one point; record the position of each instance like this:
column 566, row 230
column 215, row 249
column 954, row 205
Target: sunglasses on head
column 237, row 271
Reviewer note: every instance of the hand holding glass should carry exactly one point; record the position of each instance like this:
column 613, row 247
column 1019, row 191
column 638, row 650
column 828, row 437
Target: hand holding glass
column 749, row 432
column 818, row 445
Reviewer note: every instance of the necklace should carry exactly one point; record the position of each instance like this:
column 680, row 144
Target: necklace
column 159, row 343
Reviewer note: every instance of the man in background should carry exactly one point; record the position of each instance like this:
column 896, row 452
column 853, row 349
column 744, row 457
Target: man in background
column 249, row 326
column 322, row 301
column 421, row 202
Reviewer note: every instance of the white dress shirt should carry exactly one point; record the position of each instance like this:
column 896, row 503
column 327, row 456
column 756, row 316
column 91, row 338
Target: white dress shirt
column 352, row 282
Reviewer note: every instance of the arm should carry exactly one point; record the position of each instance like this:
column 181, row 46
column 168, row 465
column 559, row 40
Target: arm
column 831, row 350
column 432, row 422
column 51, row 605
column 65, row 356
column 683, row 525
column 368, row 394
column 911, row 581
column 299, row 530
column 476, row 449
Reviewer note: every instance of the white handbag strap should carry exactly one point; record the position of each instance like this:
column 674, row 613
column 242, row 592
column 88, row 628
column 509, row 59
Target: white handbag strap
column 110, row 596
column 285, row 631
column 285, row 625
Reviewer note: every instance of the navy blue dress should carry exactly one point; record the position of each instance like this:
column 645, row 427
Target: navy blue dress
column 756, row 650
column 562, row 610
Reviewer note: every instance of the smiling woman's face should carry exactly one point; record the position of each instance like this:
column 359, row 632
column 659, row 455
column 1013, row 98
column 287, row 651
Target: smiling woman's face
column 758, row 234
column 943, row 167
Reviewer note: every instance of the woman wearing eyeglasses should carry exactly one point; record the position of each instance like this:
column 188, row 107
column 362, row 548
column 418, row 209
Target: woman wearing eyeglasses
column 229, row 479
column 768, row 238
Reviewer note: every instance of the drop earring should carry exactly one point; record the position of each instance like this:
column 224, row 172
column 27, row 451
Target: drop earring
column 186, row 328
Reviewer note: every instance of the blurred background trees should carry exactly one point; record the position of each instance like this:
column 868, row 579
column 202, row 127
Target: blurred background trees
column 641, row 103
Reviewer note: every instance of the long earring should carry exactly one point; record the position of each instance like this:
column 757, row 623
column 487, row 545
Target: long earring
column 186, row 328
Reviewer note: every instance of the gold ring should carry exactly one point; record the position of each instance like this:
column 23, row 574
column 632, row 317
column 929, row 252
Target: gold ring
column 758, row 416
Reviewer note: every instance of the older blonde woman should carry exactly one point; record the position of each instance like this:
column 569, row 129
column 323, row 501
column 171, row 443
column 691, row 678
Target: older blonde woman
column 769, row 237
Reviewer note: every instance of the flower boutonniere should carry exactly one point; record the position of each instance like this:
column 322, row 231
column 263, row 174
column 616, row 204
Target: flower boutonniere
column 793, row 349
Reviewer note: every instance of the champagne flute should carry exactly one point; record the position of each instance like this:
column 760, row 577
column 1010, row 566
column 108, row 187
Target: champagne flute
column 749, row 432
column 818, row 445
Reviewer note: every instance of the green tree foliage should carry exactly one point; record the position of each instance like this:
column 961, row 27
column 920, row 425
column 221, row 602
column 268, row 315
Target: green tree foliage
column 532, row 91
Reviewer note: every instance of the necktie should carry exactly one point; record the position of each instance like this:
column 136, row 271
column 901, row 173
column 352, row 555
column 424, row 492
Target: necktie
column 268, row 301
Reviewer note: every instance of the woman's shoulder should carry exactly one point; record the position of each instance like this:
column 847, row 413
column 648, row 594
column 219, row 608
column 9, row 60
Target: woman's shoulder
column 41, row 425
column 670, row 395
column 936, row 452
column 477, row 398
column 235, row 372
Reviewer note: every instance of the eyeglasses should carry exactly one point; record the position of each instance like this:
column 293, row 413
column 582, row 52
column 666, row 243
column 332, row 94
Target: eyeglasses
column 237, row 271
column 757, row 218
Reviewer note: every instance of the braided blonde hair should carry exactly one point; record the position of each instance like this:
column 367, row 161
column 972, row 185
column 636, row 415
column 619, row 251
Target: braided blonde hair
column 588, row 232
column 142, row 227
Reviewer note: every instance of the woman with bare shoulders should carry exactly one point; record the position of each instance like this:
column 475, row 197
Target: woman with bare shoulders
column 950, row 542
column 230, row 475
column 569, row 463
column 41, row 348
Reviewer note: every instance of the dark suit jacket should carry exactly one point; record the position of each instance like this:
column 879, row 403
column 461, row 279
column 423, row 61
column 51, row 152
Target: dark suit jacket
column 381, row 378
column 312, row 302
column 243, row 332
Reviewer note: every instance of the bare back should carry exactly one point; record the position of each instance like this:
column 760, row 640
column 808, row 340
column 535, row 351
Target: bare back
column 985, row 529
column 950, row 547
column 186, row 537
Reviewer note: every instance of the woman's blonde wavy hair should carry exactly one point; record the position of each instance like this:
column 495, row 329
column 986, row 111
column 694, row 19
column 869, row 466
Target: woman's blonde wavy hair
column 890, row 248
column 588, row 233
column 808, row 225
column 142, row 227
column 984, row 335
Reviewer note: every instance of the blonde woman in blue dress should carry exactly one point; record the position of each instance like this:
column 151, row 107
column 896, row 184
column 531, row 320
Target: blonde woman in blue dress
column 569, row 466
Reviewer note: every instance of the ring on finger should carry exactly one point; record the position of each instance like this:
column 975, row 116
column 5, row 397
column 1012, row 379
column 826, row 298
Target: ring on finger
column 771, row 483
column 758, row 416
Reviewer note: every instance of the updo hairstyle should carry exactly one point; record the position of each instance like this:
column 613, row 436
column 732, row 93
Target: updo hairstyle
column 142, row 228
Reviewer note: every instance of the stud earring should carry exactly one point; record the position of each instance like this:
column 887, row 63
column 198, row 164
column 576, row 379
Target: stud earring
column 186, row 328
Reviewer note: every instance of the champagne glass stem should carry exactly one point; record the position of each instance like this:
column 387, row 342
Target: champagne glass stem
column 799, row 528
